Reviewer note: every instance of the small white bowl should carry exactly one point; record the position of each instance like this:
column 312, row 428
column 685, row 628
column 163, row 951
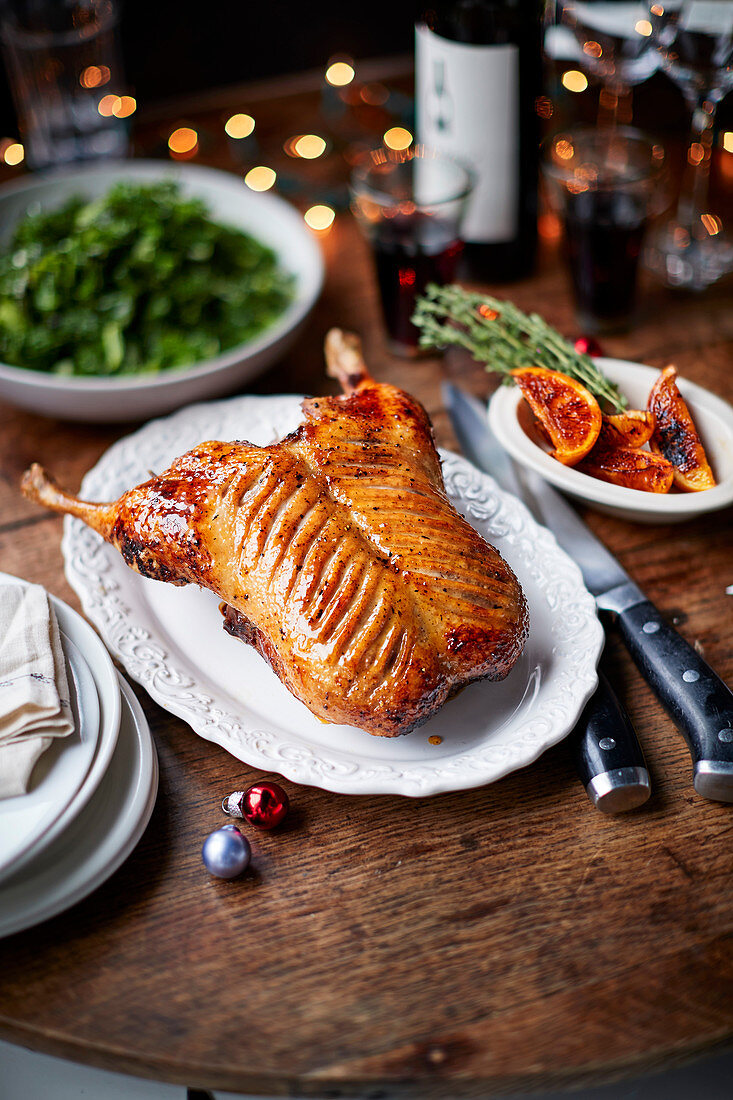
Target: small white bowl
column 270, row 219
column 713, row 419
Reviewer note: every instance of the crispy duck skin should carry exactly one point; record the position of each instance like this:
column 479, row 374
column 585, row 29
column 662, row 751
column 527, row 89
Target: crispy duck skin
column 335, row 551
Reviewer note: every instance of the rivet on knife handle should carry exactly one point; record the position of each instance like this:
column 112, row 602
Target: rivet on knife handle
column 608, row 757
column 698, row 701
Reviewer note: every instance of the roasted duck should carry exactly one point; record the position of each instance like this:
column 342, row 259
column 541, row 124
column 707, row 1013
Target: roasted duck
column 335, row 551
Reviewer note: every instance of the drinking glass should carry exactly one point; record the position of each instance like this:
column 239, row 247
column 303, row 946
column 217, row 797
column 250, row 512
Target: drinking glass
column 606, row 191
column 695, row 43
column 63, row 61
column 609, row 38
column 410, row 205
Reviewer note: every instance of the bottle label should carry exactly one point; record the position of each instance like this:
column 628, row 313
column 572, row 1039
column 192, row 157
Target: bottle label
column 467, row 104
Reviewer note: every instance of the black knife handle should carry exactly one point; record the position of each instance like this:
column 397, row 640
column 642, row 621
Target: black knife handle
column 698, row 701
column 608, row 756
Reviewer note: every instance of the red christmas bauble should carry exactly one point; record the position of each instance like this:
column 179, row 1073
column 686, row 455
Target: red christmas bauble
column 586, row 345
column 265, row 805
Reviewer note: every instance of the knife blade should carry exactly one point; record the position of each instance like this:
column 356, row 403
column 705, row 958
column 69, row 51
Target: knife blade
column 698, row 701
column 608, row 757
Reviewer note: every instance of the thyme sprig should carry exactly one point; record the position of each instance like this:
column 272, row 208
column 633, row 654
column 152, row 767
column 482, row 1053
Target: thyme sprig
column 499, row 335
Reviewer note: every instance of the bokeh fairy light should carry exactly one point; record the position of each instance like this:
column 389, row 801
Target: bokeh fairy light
column 397, row 138
column 239, row 126
column 319, row 217
column 260, row 178
column 183, row 143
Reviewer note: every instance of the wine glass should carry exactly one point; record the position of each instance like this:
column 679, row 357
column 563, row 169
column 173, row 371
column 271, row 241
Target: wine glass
column 609, row 38
column 694, row 40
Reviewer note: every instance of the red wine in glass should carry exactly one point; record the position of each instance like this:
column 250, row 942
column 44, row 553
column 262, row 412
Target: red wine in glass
column 410, row 252
column 603, row 235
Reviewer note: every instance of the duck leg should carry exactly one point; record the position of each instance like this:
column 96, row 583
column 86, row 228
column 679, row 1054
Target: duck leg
column 41, row 488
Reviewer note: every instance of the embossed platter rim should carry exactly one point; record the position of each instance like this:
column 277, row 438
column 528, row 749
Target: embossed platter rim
column 170, row 639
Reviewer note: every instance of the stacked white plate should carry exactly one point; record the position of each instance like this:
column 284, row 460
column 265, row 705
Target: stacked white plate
column 91, row 794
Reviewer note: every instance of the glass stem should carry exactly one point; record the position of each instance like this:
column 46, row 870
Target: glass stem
column 696, row 176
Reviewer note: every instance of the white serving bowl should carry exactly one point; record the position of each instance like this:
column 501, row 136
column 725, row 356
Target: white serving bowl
column 132, row 397
column 713, row 419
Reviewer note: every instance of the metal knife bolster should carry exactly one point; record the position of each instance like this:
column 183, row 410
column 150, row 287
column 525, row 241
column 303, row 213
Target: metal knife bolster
column 608, row 757
column 620, row 598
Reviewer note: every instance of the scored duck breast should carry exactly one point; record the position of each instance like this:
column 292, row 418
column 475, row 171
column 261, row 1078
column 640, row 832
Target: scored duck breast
column 335, row 551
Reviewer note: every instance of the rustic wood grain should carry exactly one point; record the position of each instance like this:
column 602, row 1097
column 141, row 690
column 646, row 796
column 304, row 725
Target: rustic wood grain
column 498, row 939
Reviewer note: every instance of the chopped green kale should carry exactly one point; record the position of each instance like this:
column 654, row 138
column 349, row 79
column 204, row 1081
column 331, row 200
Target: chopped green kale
column 137, row 282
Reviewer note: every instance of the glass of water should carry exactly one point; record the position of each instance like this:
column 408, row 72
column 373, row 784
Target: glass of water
column 695, row 43
column 65, row 69
column 609, row 39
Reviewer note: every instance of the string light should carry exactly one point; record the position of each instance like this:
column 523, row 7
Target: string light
column 340, row 73
column 183, row 142
column 13, row 153
column 712, row 223
column 124, row 107
column 94, row 76
column 107, row 105
column 319, row 217
column 397, row 138
column 728, row 141
column 239, row 126
column 643, row 27
column 574, row 80
column 307, row 146
column 564, row 149
column 310, row 146
column 696, row 153
column 260, row 178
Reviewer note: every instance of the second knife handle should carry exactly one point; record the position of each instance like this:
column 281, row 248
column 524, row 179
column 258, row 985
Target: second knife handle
column 698, row 701
column 608, row 756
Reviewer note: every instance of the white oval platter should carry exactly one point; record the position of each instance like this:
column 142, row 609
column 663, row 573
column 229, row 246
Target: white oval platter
column 171, row 639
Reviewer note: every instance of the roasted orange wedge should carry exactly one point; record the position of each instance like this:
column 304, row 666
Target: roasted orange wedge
column 632, row 428
column 630, row 467
column 566, row 409
column 675, row 436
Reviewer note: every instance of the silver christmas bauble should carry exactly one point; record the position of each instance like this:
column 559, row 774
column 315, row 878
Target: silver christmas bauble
column 226, row 853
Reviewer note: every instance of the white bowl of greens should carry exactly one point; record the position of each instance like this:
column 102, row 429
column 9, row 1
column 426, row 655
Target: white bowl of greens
column 136, row 300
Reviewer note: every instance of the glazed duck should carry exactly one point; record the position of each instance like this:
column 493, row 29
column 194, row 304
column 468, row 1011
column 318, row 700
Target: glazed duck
column 335, row 552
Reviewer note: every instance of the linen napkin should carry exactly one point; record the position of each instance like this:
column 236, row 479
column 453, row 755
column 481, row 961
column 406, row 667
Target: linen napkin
column 34, row 691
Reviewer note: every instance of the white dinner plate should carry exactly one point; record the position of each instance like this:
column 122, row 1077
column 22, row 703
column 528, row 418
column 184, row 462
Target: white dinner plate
column 60, row 771
column 171, row 639
column 101, row 837
column 99, row 664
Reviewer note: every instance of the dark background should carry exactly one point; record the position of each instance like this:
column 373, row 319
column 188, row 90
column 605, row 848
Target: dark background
column 175, row 47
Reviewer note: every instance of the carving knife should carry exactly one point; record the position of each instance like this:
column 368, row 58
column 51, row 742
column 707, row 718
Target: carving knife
column 698, row 701
column 608, row 757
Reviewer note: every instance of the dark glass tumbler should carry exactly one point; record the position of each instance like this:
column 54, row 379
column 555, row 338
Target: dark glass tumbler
column 606, row 186
column 410, row 205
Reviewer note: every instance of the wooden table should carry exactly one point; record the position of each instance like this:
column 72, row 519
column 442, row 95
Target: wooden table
column 499, row 939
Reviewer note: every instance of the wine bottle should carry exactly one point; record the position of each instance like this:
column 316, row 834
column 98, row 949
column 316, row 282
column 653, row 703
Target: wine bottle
column 478, row 75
